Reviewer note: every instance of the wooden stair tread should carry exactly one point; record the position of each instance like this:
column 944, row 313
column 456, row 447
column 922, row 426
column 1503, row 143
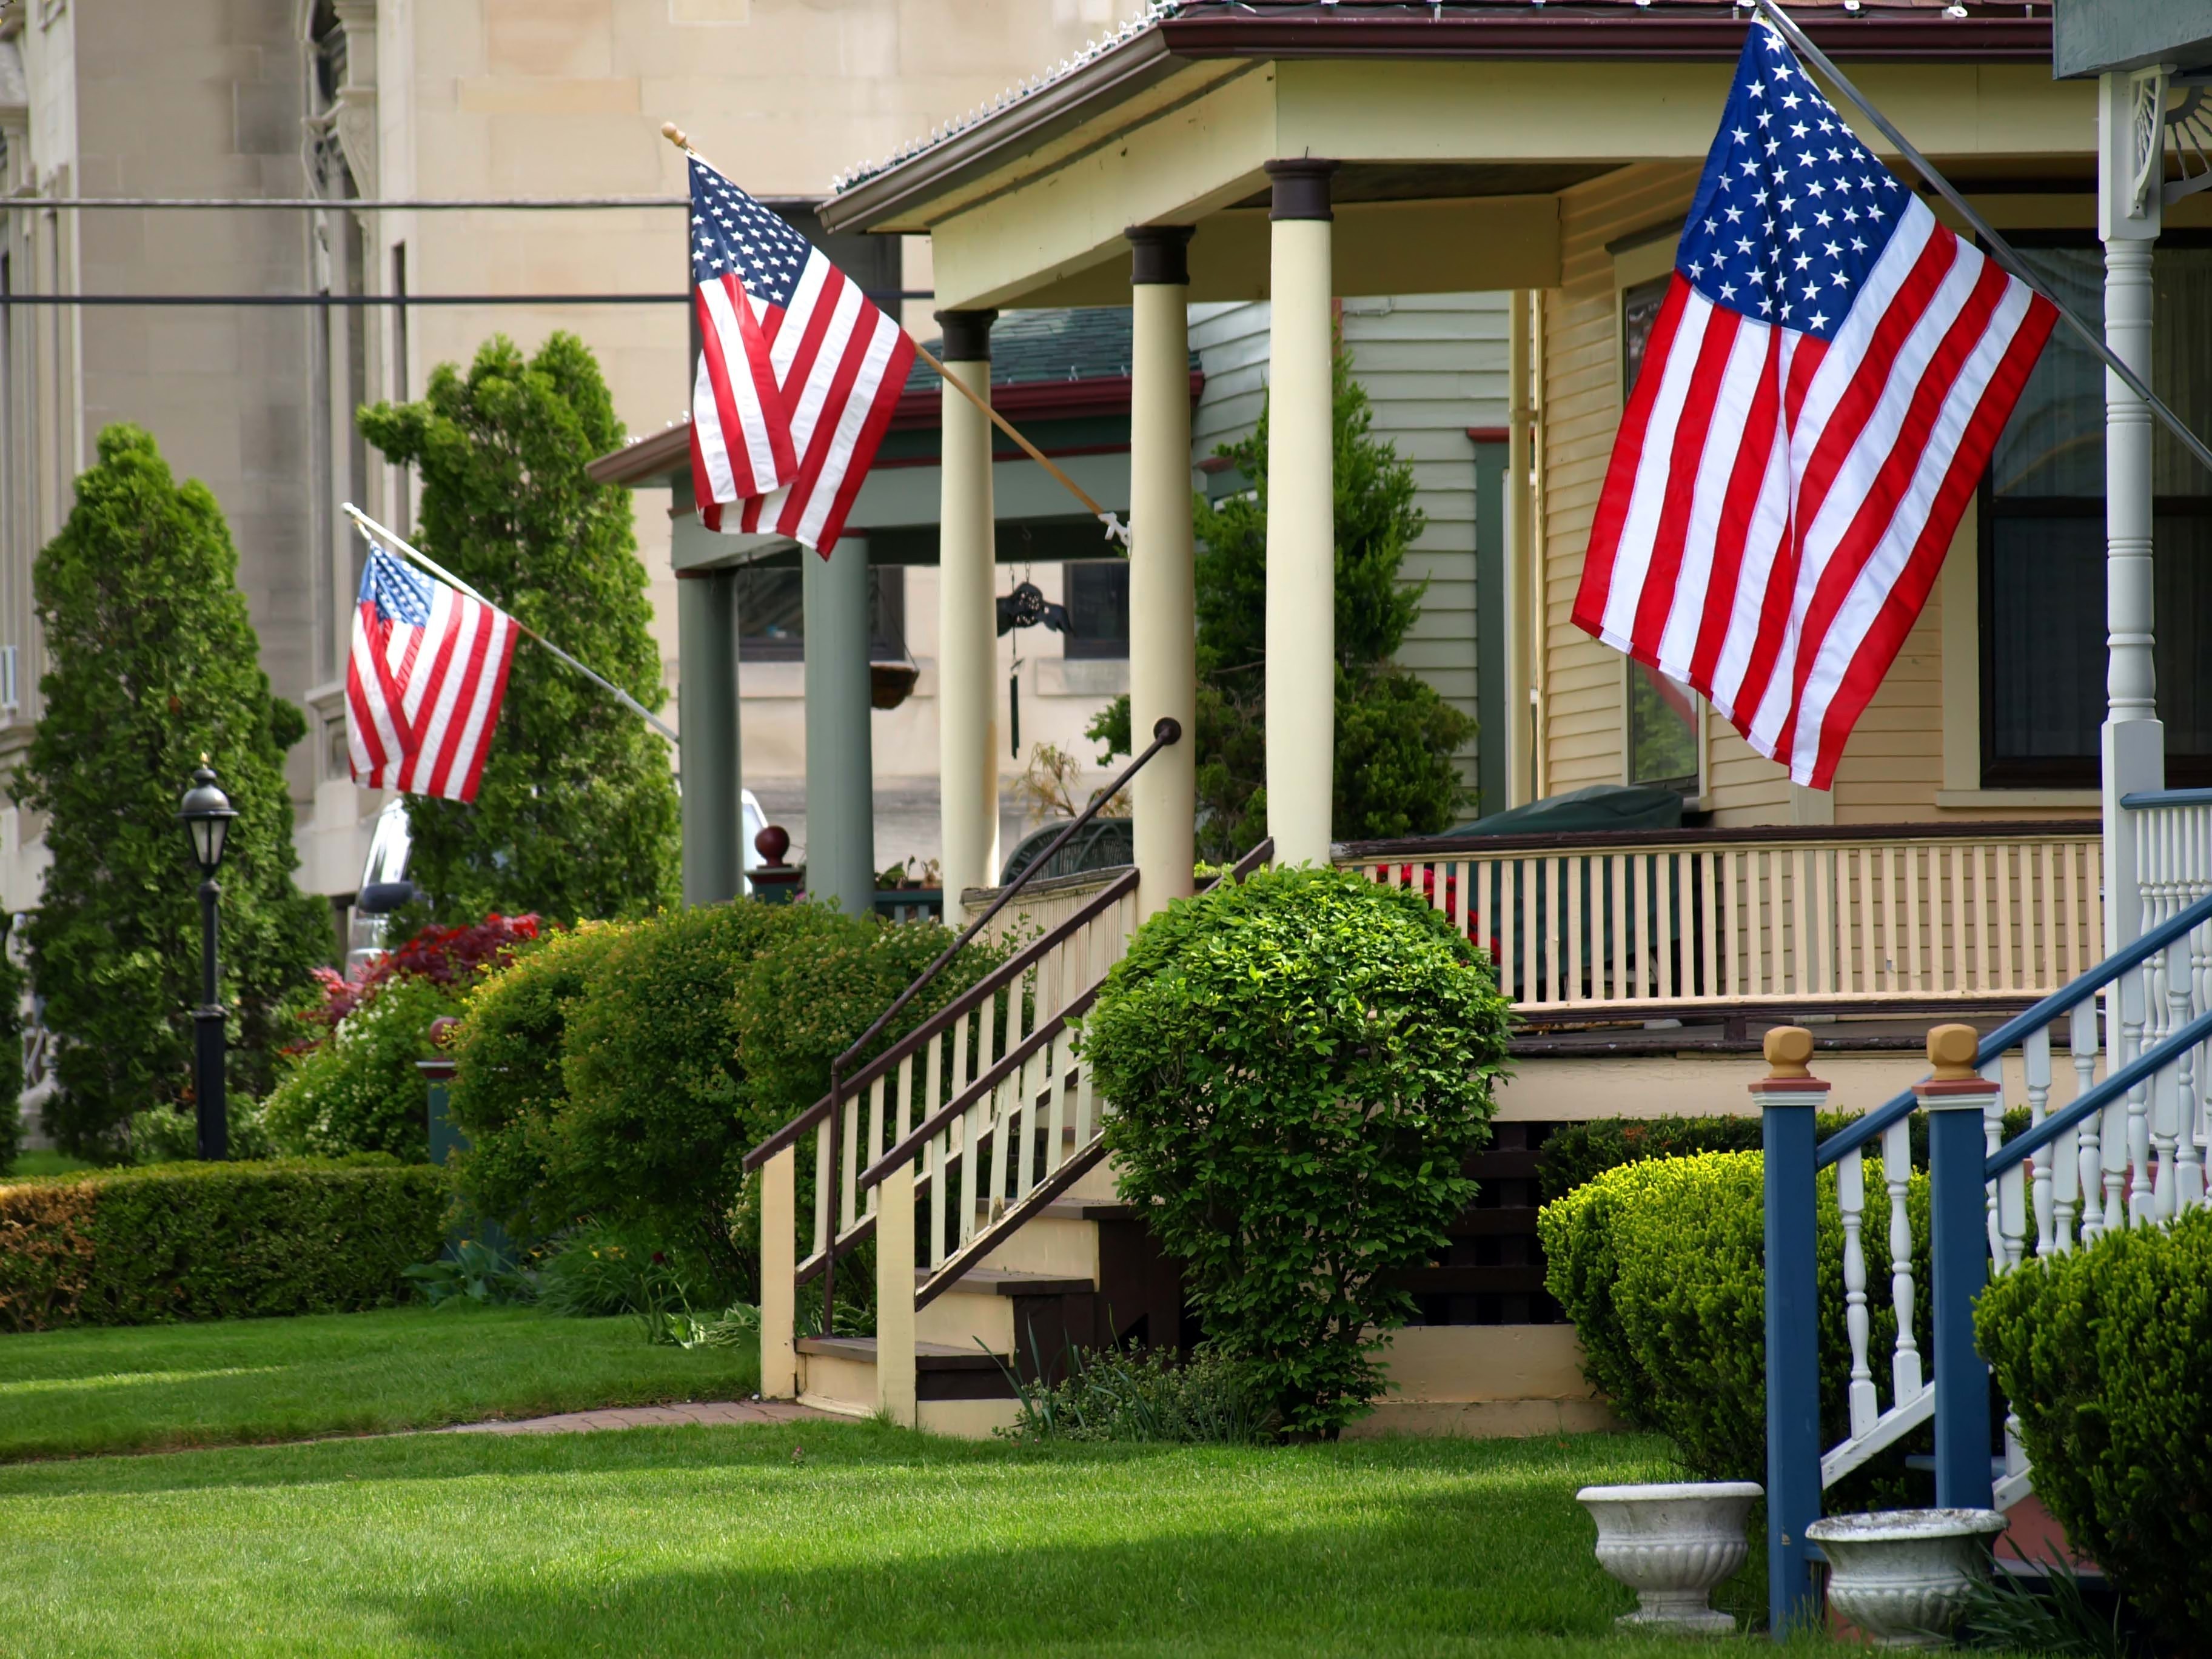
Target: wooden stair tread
column 928, row 1356
column 1007, row 1281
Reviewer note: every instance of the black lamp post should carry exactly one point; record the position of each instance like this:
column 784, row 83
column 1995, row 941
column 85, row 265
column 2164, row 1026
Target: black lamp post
column 206, row 812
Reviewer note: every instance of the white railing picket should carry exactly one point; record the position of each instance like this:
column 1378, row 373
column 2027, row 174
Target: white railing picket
column 1850, row 1197
column 1897, row 1175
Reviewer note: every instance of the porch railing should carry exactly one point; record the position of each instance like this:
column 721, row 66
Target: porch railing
column 2103, row 1152
column 1626, row 923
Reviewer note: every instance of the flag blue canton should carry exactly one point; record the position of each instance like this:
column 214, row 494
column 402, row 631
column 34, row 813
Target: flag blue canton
column 731, row 231
column 399, row 593
column 1792, row 211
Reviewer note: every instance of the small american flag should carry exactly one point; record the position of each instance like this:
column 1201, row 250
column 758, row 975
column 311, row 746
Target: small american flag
column 424, row 682
column 799, row 372
column 1826, row 377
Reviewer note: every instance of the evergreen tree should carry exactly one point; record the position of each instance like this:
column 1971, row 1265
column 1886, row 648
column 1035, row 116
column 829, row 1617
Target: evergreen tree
column 1395, row 735
column 577, row 813
column 153, row 662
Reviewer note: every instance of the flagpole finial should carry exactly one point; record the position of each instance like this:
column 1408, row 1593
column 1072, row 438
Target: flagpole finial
column 674, row 134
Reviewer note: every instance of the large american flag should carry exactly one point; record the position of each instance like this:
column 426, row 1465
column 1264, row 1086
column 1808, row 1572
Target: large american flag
column 1820, row 394
column 424, row 682
column 798, row 372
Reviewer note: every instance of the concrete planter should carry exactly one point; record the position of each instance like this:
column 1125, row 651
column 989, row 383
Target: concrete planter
column 1671, row 1545
column 1902, row 1576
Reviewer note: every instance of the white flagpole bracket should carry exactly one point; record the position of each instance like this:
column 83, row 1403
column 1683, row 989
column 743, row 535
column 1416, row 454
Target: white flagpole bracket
column 385, row 536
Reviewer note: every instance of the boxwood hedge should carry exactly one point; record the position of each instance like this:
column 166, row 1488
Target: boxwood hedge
column 215, row 1241
column 2106, row 1356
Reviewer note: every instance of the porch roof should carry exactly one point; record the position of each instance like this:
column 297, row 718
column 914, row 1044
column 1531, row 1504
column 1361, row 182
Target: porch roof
column 1458, row 126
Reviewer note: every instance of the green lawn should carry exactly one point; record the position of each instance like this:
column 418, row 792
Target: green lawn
column 150, row 1388
column 726, row 1542
column 47, row 1163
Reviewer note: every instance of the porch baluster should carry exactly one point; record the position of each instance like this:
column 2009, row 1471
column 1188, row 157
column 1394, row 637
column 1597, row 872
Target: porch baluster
column 1850, row 1198
column 1897, row 1175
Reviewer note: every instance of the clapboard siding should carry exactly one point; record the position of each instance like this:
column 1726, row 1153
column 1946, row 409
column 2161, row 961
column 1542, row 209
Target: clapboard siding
column 1432, row 366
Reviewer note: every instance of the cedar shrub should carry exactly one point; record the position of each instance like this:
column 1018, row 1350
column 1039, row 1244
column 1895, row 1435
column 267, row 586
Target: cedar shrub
column 153, row 661
column 577, row 813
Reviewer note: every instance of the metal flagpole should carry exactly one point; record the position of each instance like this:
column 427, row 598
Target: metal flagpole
column 2002, row 251
column 1115, row 530
column 378, row 533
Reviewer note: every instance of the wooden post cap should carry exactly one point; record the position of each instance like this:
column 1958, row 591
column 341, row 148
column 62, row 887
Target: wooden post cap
column 1788, row 1049
column 1951, row 1050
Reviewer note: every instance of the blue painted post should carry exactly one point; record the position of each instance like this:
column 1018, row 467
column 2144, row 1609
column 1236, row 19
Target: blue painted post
column 1955, row 1099
column 1787, row 1098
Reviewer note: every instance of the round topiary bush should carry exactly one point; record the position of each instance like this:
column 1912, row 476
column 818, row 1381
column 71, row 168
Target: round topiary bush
column 1299, row 1066
column 2106, row 1356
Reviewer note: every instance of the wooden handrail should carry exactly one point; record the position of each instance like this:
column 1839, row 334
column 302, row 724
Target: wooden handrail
column 1011, row 1062
column 1426, row 849
column 958, row 1009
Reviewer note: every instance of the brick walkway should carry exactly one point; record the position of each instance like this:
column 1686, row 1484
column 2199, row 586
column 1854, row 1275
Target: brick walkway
column 650, row 1417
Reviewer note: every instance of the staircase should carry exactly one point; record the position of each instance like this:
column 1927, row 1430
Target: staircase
column 970, row 1153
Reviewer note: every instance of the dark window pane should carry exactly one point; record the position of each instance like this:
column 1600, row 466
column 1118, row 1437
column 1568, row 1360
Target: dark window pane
column 1639, row 312
column 771, row 614
column 1663, row 733
column 2054, row 445
column 2045, row 629
column 1098, row 608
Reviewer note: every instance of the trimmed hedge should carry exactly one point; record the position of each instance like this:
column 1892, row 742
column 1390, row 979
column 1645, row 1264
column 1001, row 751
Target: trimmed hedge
column 2106, row 1353
column 215, row 1241
column 1576, row 1154
column 1661, row 1267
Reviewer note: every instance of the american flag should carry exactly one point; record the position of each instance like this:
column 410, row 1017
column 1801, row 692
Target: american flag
column 799, row 372
column 1826, row 377
column 424, row 682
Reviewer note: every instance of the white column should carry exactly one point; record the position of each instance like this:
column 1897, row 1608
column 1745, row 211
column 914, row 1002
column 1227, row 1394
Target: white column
column 1301, row 517
column 1163, row 610
column 967, row 632
column 841, row 800
column 2128, row 209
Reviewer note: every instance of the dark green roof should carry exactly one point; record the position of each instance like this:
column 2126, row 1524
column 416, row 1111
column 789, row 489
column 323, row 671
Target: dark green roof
column 1076, row 342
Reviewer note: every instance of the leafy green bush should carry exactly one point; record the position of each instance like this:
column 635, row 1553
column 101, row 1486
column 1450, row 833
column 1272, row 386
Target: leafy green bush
column 1111, row 1394
column 1577, row 1152
column 507, row 1088
column 2106, row 1356
column 359, row 1089
column 1299, row 1065
column 215, row 1241
column 1661, row 1267
column 171, row 1134
column 472, row 1274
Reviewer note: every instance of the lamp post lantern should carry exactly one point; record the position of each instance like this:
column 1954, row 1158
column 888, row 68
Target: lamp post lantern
column 206, row 813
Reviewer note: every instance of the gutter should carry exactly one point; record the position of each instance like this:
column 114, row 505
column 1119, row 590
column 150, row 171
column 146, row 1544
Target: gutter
column 1610, row 34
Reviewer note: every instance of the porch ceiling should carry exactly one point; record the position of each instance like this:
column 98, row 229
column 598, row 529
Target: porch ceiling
column 1454, row 159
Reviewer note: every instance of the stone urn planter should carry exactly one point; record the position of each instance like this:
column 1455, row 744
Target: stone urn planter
column 1902, row 1576
column 1671, row 1545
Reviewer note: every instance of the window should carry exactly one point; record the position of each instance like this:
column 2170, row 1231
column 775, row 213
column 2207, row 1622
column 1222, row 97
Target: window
column 1661, row 716
column 771, row 614
column 2042, row 538
column 1097, row 593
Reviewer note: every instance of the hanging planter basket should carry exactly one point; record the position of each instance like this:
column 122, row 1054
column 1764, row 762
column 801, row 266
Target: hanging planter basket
column 890, row 684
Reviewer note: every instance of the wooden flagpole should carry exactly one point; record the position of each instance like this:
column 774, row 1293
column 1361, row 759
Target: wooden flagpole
column 385, row 538
column 1115, row 530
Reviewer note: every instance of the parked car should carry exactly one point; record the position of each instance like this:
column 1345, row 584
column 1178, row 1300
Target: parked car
column 384, row 887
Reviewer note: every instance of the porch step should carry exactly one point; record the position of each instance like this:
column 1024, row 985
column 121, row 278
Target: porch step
column 928, row 1356
column 1006, row 1281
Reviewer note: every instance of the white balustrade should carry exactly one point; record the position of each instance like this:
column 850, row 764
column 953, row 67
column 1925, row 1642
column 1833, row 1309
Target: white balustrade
column 1833, row 920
